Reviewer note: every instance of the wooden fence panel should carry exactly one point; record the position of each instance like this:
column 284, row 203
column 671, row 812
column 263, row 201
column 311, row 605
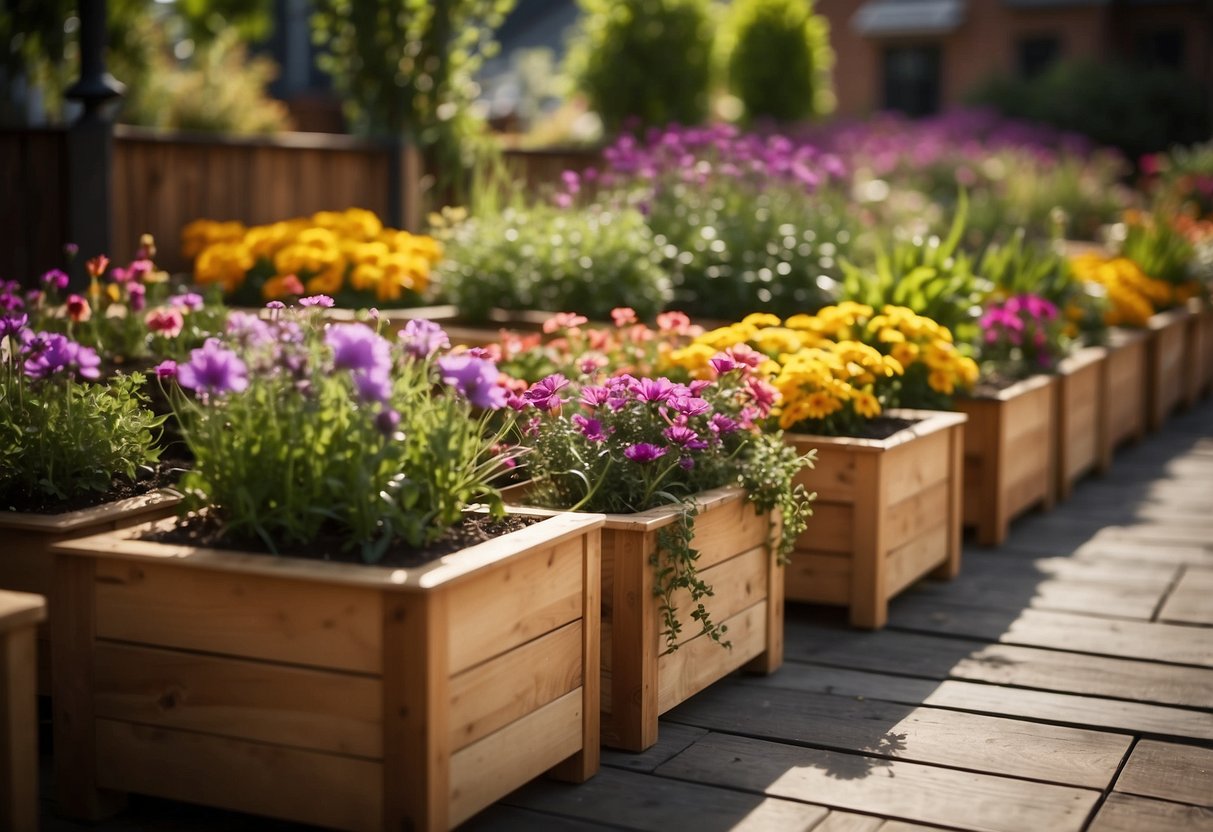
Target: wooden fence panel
column 33, row 202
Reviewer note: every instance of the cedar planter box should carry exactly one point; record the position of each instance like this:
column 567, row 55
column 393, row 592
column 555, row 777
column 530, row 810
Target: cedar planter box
column 1009, row 456
column 1201, row 335
column 20, row 613
column 1081, row 402
column 888, row 512
column 1168, row 364
column 348, row 696
column 640, row 680
column 27, row 564
column 1124, row 402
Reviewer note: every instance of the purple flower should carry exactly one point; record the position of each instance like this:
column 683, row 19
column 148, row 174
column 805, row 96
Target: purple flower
column 323, row 301
column 591, row 429
column 189, row 300
column 686, row 463
column 247, row 330
column 71, row 250
column 721, row 424
column 690, row 405
column 275, row 304
column 136, row 296
column 683, row 436
column 723, row 364
column 166, row 370
column 643, row 452
column 55, row 278
column 50, row 353
column 12, row 325
column 11, row 302
column 545, row 393
column 652, row 389
column 422, row 338
column 593, row 397
column 474, row 378
column 359, row 348
column 372, row 386
column 213, row 369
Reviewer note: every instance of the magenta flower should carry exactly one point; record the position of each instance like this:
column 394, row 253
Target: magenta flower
column 213, row 369
column 166, row 370
column 545, row 393
column 166, row 322
column 591, row 429
column 474, row 378
column 247, row 330
column 593, row 397
column 372, row 386
column 12, row 325
column 644, row 452
column 422, row 338
column 136, row 296
column 722, row 364
column 189, row 300
column 684, row 437
column 275, row 304
column 652, row 389
column 721, row 424
column 55, row 278
column 51, row 352
column 323, row 301
column 690, row 405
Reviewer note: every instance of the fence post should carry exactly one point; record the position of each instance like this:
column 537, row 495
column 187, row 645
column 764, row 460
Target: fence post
column 404, row 184
column 90, row 144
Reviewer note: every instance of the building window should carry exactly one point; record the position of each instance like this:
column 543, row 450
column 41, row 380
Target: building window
column 911, row 79
column 1161, row 48
column 1037, row 54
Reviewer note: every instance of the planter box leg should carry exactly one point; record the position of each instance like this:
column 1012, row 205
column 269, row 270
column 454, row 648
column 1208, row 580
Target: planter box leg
column 950, row 568
column 73, row 626
column 18, row 730
column 772, row 659
column 584, row 764
column 869, row 593
column 634, row 634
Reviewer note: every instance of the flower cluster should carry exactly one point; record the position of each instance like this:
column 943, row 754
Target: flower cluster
column 1133, row 296
column 127, row 313
column 1021, row 336
column 348, row 255
column 625, row 443
column 61, row 436
column 299, row 428
column 844, row 365
column 569, row 344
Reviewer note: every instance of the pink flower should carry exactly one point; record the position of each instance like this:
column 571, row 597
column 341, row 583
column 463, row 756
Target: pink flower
column 165, row 322
column 563, row 320
column 78, row 309
column 643, row 452
column 623, row 315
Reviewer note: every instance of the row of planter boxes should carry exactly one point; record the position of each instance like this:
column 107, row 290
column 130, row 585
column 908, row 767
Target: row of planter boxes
column 368, row 698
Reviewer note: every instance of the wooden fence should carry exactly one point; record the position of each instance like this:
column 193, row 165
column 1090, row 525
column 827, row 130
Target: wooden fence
column 162, row 181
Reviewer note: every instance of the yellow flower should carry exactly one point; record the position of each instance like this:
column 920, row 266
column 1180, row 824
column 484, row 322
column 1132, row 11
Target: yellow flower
column 327, row 282
column 199, row 234
column 904, row 353
column 866, row 404
column 761, row 319
column 941, row 381
column 223, row 263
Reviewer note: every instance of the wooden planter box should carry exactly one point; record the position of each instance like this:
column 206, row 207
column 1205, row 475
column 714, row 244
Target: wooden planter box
column 888, row 511
column 1124, row 410
column 640, row 680
column 20, row 614
column 1168, row 364
column 1081, row 403
column 1201, row 350
column 27, row 564
column 1009, row 455
column 347, row 696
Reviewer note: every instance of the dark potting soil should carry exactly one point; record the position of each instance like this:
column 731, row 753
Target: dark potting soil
column 992, row 384
column 882, row 427
column 164, row 475
column 330, row 545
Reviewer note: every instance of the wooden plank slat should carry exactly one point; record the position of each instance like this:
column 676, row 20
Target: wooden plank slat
column 1059, row 630
column 341, row 792
column 745, row 578
column 1191, row 602
column 818, row 577
column 701, row 661
column 1128, row 813
column 905, row 732
column 239, row 615
column 1179, row 773
column 893, row 788
column 1121, row 600
column 658, row 804
column 908, row 562
column 497, row 764
column 295, row 706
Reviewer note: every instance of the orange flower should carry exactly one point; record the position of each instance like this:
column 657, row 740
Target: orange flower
column 97, row 265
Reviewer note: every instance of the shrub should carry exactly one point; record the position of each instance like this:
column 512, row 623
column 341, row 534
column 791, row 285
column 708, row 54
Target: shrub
column 644, row 59
column 545, row 257
column 780, row 58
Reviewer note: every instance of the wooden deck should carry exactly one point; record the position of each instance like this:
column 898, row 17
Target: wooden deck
column 1064, row 682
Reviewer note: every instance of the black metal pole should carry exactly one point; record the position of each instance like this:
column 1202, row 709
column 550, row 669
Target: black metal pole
column 90, row 144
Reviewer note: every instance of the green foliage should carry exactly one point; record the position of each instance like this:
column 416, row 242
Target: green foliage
column 1135, row 109
column 1159, row 249
column 61, row 438
column 543, row 257
column 250, row 20
column 730, row 248
column 407, row 68
column 929, row 275
column 219, row 89
column 780, row 58
column 644, row 59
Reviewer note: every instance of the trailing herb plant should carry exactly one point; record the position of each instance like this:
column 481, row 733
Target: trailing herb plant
column 624, row 444
column 61, row 435
column 299, row 428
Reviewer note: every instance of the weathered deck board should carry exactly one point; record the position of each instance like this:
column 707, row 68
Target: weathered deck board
column 927, row 735
column 893, row 788
column 1189, row 603
column 1178, row 773
column 1127, row 813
